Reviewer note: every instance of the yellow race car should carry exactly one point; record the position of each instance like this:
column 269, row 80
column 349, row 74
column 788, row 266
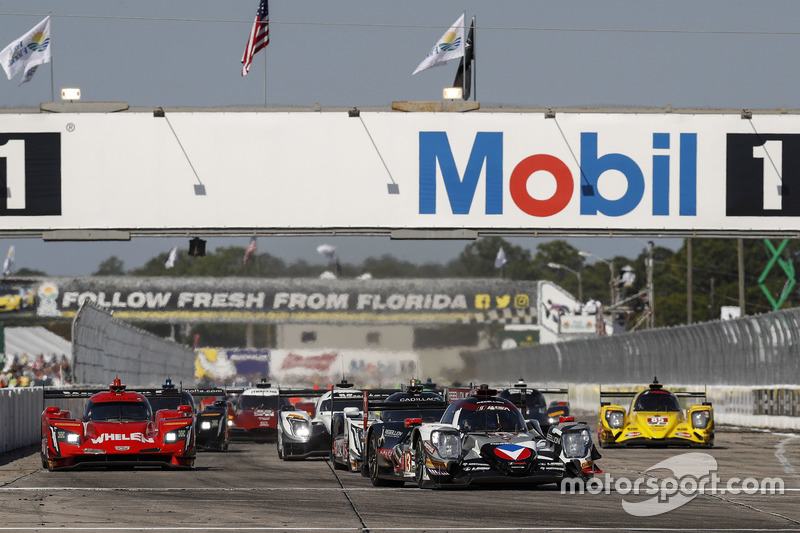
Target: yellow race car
column 656, row 417
column 15, row 298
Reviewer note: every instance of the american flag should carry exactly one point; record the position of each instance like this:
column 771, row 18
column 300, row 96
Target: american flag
column 259, row 36
column 252, row 247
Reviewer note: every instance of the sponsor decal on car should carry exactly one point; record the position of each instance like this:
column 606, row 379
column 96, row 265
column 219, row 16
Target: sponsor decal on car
column 657, row 420
column 512, row 452
column 393, row 433
column 632, row 434
column 683, row 434
column 105, row 437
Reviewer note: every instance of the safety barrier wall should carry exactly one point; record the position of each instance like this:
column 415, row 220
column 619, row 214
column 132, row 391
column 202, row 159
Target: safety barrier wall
column 20, row 416
column 104, row 349
column 760, row 350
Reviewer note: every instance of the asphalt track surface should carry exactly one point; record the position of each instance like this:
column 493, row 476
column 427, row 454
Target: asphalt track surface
column 248, row 488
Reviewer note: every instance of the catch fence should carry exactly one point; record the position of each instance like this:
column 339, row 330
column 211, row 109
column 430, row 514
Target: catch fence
column 104, row 349
column 758, row 350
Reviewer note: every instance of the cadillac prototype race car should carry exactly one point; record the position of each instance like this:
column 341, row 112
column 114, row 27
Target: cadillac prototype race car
column 306, row 432
column 347, row 429
column 118, row 427
column 481, row 439
column 385, row 459
column 656, row 418
column 255, row 415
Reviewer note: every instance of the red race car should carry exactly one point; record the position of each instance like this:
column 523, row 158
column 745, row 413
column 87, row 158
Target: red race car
column 118, row 427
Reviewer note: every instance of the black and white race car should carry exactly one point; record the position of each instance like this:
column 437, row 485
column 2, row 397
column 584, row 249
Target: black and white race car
column 304, row 430
column 386, row 461
column 482, row 439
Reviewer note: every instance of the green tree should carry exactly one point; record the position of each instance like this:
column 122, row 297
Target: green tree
column 478, row 258
column 113, row 266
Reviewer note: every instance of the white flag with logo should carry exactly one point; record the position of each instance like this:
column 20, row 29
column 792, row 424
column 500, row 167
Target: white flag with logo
column 27, row 52
column 450, row 46
column 8, row 264
column 500, row 260
column 171, row 258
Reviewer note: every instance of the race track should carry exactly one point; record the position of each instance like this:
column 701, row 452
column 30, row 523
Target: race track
column 249, row 489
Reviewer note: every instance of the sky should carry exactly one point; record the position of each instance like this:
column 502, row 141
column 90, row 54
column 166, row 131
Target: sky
column 707, row 54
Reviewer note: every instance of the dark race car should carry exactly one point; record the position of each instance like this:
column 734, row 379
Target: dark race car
column 118, row 427
column 533, row 405
column 483, row 439
column 386, row 462
column 212, row 425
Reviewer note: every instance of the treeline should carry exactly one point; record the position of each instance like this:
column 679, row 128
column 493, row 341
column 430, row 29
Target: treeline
column 715, row 273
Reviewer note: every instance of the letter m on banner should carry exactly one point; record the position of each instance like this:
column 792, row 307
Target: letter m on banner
column 434, row 147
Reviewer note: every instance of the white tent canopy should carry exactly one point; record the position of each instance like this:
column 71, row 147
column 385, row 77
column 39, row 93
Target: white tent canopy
column 34, row 341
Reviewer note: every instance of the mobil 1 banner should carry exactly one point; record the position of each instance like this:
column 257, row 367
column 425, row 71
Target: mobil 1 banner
column 294, row 300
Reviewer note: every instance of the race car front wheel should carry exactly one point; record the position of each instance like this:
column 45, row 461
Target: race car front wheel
column 419, row 464
column 281, row 456
column 372, row 459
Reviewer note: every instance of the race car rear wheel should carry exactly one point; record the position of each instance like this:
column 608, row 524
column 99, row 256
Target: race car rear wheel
column 44, row 458
column 372, row 460
column 334, row 463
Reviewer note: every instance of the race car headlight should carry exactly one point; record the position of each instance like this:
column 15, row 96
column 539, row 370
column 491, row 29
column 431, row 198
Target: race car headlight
column 447, row 444
column 299, row 427
column 205, row 424
column 73, row 438
column 575, row 443
column 176, row 435
column 700, row 419
column 615, row 419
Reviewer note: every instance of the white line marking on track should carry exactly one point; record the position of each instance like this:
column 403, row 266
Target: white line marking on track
column 416, row 528
column 780, row 454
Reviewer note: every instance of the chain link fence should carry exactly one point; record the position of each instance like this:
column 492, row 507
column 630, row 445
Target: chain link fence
column 104, row 349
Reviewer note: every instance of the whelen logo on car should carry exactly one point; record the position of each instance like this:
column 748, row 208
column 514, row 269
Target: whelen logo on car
column 105, row 437
column 512, row 452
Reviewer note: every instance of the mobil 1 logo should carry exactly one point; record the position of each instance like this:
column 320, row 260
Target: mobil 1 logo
column 30, row 174
column 763, row 175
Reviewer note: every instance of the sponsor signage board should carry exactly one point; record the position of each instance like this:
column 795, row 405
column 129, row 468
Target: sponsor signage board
column 517, row 172
column 177, row 300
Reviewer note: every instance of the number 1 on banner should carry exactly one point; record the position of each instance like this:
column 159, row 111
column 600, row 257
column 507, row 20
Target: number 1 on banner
column 13, row 151
column 771, row 152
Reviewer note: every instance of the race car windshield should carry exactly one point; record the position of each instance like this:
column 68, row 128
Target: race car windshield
column 117, row 411
column 340, row 403
column 488, row 420
column 656, row 401
column 247, row 401
column 427, row 415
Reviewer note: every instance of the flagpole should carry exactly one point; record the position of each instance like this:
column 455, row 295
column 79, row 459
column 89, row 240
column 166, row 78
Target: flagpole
column 464, row 57
column 52, row 83
column 474, row 63
column 265, row 78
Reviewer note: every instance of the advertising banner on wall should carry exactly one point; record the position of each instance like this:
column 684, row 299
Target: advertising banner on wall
column 192, row 300
column 382, row 172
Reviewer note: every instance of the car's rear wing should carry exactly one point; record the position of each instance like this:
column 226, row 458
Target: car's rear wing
column 616, row 394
